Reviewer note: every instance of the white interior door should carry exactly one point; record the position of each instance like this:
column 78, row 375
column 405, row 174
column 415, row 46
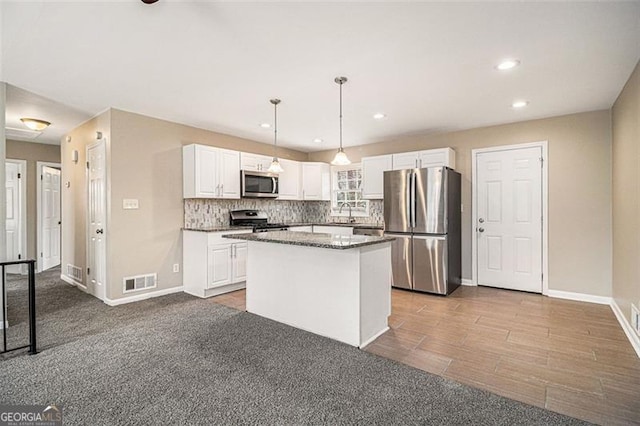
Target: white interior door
column 509, row 219
column 14, row 222
column 50, row 222
column 97, row 231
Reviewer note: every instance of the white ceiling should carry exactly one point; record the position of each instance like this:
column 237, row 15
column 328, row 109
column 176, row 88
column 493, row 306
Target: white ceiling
column 428, row 66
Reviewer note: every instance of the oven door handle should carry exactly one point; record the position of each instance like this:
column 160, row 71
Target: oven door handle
column 275, row 185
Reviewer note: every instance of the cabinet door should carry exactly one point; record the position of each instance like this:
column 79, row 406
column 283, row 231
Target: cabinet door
column 438, row 158
column 239, row 262
column 311, row 181
column 289, row 181
column 229, row 173
column 335, row 230
column 325, row 182
column 206, row 179
column 373, row 169
column 220, row 264
column 405, row 160
column 255, row 162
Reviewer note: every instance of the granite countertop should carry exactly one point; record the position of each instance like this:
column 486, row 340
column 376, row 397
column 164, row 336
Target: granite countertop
column 320, row 240
column 223, row 228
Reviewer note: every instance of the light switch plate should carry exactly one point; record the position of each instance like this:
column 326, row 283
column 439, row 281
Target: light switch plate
column 130, row 203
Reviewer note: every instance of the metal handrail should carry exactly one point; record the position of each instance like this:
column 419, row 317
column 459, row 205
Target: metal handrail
column 32, row 306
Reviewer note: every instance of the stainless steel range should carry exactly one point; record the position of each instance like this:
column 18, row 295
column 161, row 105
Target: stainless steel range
column 257, row 219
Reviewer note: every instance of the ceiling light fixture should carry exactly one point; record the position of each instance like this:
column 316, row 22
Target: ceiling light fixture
column 519, row 104
column 275, row 166
column 265, row 125
column 341, row 158
column 379, row 116
column 35, row 124
column 508, row 64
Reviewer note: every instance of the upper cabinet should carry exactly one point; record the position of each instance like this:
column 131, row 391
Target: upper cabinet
column 210, row 172
column 254, row 162
column 428, row 158
column 289, row 187
column 373, row 169
column 316, row 181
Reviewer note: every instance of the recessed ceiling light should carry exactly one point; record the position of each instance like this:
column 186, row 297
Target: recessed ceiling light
column 265, row 125
column 379, row 116
column 520, row 104
column 507, row 64
column 318, row 140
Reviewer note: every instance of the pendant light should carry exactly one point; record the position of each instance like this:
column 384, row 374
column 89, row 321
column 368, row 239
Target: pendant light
column 275, row 166
column 341, row 158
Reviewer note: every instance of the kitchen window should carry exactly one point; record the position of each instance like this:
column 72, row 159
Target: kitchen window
column 346, row 185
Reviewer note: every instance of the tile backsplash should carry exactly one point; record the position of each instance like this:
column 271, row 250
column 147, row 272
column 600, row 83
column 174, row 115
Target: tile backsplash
column 202, row 213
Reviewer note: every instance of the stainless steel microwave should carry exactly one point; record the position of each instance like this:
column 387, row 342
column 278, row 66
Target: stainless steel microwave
column 259, row 184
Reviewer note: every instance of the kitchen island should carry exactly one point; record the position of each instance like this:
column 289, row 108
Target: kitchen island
column 336, row 286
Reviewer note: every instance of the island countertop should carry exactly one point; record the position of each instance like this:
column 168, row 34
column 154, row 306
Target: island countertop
column 308, row 239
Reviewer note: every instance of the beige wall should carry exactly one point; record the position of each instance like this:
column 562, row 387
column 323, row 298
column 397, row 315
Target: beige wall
column 579, row 160
column 626, row 195
column 146, row 164
column 32, row 153
column 74, row 196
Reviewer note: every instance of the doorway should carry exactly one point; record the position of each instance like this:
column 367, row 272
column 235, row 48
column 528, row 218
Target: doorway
column 16, row 213
column 49, row 217
column 96, row 220
column 509, row 224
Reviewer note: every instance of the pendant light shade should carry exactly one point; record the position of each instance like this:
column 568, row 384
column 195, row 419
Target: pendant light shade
column 275, row 166
column 341, row 158
column 35, row 124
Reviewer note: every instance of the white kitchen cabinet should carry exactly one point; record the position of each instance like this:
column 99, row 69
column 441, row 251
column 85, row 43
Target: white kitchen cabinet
column 210, row 172
column 336, row 230
column 211, row 264
column 373, row 169
column 316, row 181
column 301, row 228
column 289, row 181
column 254, row 162
column 427, row 158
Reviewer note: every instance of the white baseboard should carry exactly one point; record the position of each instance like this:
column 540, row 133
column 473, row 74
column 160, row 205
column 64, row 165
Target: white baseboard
column 374, row 337
column 468, row 282
column 67, row 279
column 628, row 329
column 138, row 297
column 4, row 325
column 581, row 297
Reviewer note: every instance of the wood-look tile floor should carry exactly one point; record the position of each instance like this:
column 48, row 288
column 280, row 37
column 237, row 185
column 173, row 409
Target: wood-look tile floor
column 569, row 357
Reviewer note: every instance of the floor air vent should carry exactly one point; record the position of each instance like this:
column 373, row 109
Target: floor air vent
column 140, row 282
column 74, row 272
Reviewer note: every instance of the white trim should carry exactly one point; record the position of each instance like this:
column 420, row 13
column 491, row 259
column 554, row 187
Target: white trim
column 374, row 337
column 468, row 282
column 22, row 167
column 139, row 297
column 39, row 165
column 545, row 210
column 67, row 279
column 581, row 297
column 2, row 325
column 626, row 327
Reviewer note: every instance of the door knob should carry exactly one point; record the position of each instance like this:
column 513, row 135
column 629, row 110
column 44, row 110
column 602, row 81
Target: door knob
column 99, row 231
column 480, row 229
column 481, row 220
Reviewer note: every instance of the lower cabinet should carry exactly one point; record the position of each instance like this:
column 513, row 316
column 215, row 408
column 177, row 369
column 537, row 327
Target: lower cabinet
column 213, row 265
column 336, row 230
column 308, row 228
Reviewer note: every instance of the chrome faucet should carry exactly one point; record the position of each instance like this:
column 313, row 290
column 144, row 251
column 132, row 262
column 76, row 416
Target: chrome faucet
column 351, row 219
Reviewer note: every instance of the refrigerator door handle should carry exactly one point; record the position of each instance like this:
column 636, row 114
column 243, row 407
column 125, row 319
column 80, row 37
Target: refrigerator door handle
column 413, row 200
column 408, row 198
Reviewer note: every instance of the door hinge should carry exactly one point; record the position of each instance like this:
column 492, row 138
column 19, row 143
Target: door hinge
column 87, row 165
column 19, row 256
column 41, row 177
column 19, row 175
column 88, row 271
column 541, row 161
column 40, row 254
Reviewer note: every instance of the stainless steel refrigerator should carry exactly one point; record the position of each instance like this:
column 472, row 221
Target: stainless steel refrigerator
column 422, row 211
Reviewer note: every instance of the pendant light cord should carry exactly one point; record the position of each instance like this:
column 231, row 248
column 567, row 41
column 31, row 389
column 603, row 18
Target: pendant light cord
column 275, row 130
column 340, row 116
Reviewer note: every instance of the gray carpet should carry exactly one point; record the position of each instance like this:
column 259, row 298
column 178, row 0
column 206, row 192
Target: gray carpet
column 182, row 360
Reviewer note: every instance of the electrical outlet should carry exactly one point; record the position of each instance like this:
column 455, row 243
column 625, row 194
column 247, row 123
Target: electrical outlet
column 176, row 267
column 635, row 318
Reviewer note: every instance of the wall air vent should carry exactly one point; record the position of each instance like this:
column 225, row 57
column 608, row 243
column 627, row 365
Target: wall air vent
column 74, row 272
column 12, row 132
column 139, row 282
